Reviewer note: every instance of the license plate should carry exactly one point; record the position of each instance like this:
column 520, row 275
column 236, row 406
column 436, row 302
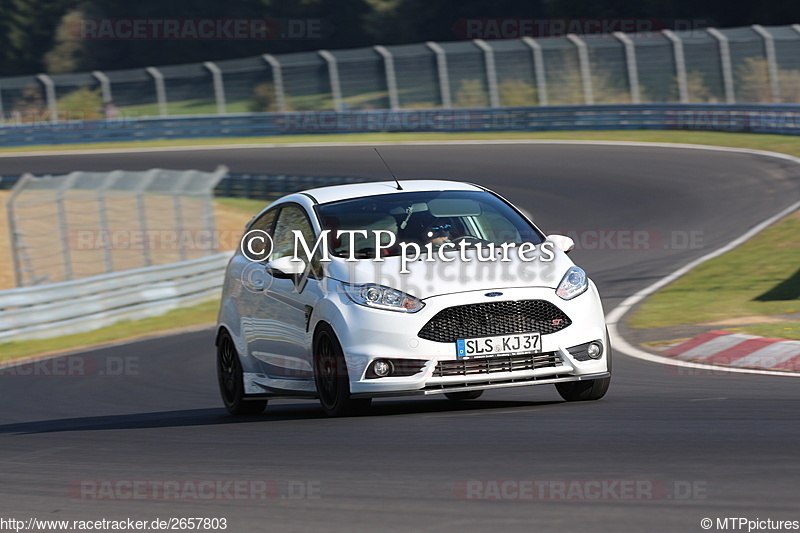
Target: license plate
column 500, row 345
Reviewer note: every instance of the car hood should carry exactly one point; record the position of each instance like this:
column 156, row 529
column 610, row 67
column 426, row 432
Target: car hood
column 434, row 278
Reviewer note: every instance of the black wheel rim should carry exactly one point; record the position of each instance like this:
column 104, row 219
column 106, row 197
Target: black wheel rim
column 226, row 369
column 325, row 372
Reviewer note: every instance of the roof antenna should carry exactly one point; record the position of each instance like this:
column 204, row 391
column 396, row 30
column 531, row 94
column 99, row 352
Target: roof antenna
column 399, row 188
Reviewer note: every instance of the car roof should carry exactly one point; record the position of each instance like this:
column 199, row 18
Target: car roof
column 324, row 195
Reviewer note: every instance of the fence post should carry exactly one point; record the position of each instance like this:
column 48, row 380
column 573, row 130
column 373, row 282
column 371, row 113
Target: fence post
column 680, row 65
column 772, row 62
column 444, row 77
column 277, row 81
column 176, row 208
column 15, row 242
column 50, row 94
column 219, row 87
column 105, row 84
column 725, row 61
column 538, row 68
column 633, row 71
column 391, row 80
column 208, row 198
column 102, row 213
column 139, row 191
column 161, row 90
column 333, row 76
column 491, row 72
column 63, row 225
column 586, row 74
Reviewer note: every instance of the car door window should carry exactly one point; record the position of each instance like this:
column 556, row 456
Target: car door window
column 293, row 218
column 265, row 222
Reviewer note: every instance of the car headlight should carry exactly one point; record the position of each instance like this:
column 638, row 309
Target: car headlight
column 572, row 284
column 380, row 297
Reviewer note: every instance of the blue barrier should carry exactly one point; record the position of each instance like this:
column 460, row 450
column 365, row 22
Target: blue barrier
column 257, row 186
column 756, row 118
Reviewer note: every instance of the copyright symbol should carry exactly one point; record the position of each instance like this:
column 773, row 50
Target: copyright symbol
column 706, row 523
column 255, row 278
column 256, row 245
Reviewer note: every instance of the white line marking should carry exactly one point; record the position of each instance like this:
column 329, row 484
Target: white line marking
column 708, row 399
column 613, row 317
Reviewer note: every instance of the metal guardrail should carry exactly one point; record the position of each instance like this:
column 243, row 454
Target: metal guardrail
column 272, row 186
column 756, row 118
column 256, row 186
column 90, row 303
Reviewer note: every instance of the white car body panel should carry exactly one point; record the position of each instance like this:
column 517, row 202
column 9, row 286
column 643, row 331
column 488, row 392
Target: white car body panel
column 273, row 328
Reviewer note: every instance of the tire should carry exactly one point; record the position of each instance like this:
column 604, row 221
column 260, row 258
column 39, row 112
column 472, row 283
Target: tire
column 331, row 377
column 581, row 391
column 231, row 380
column 466, row 395
column 589, row 390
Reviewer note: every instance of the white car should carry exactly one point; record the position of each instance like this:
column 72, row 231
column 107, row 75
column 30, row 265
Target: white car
column 353, row 292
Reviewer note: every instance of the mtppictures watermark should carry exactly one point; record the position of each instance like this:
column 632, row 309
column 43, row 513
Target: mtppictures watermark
column 257, row 245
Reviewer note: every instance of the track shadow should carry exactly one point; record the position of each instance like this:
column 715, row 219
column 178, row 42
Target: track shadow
column 788, row 289
column 274, row 413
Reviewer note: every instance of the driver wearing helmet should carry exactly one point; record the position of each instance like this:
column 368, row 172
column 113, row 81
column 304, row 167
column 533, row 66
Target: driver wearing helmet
column 437, row 233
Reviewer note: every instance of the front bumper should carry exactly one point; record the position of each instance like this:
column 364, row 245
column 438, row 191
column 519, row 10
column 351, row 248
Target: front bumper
column 368, row 334
column 494, row 384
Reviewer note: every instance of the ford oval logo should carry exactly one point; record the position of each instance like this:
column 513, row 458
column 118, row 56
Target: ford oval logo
column 493, row 294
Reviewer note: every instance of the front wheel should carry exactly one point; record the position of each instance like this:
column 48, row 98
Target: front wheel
column 581, row 391
column 331, row 376
column 231, row 380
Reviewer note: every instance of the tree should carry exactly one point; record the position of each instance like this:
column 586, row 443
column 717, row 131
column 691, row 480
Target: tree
column 27, row 30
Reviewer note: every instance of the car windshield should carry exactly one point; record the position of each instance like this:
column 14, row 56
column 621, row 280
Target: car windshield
column 473, row 217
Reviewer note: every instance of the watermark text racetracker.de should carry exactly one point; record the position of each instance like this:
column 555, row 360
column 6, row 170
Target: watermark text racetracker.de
column 200, row 29
column 193, row 489
column 153, row 239
column 517, row 28
column 634, row 239
column 580, row 490
column 733, row 120
column 74, row 366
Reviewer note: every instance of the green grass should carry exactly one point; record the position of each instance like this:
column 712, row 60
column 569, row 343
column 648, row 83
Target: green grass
column 760, row 277
column 203, row 313
column 787, row 144
column 207, row 106
column 245, row 205
column 781, row 330
column 203, row 106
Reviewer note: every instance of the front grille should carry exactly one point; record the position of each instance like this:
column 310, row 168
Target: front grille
column 498, row 363
column 494, row 318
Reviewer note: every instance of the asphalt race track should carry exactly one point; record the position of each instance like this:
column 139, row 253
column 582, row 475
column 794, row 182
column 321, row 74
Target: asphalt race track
column 692, row 444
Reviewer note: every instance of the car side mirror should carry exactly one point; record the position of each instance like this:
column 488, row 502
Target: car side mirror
column 285, row 268
column 562, row 242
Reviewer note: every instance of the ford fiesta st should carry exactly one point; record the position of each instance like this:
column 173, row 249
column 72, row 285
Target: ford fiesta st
column 354, row 292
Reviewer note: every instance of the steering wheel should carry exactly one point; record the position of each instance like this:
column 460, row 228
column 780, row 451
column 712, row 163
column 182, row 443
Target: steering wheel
column 470, row 239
